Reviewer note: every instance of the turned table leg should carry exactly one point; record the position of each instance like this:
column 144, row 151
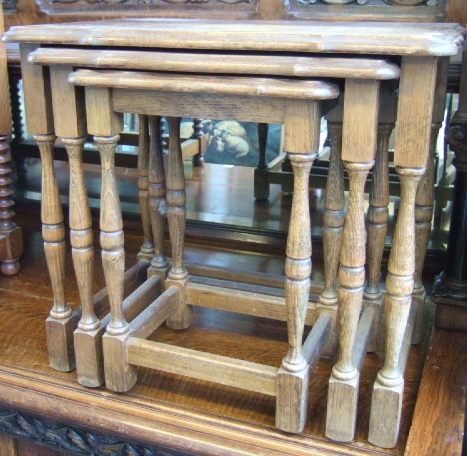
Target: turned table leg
column 38, row 103
column 176, row 216
column 293, row 376
column 424, row 200
column 147, row 247
column 378, row 213
column 415, row 110
column 361, row 101
column 389, row 386
column 62, row 321
column 157, row 194
column 105, row 125
column 333, row 221
column 70, row 125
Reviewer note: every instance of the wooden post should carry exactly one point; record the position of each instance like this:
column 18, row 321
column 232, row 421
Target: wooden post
column 418, row 77
column 386, row 403
column 105, row 125
column 38, row 104
column 378, row 212
column 147, row 247
column 424, row 200
column 301, row 128
column 333, row 220
column 176, row 216
column 70, row 125
column 157, row 193
column 361, row 102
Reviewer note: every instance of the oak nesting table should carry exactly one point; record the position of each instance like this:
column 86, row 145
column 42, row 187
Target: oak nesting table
column 250, row 71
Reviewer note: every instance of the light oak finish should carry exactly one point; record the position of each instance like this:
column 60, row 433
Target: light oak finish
column 421, row 39
column 413, row 152
column 121, row 352
column 361, row 101
column 147, row 247
column 175, row 412
column 419, row 45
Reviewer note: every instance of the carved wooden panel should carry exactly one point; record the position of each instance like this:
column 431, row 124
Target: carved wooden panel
column 402, row 10
column 66, row 438
column 148, row 6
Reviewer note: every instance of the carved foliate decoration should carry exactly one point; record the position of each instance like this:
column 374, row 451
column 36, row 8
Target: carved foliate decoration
column 65, row 438
column 391, row 10
column 147, row 5
column 370, row 2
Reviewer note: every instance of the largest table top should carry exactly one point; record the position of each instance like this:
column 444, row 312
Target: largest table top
column 388, row 38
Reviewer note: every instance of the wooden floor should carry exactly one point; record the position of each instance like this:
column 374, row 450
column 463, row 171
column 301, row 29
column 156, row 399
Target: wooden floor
column 226, row 229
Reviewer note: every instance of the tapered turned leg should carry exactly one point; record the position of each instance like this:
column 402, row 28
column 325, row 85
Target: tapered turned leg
column 147, row 248
column 424, row 206
column 294, row 371
column 11, row 243
column 344, row 381
column 377, row 224
column 157, row 202
column 333, row 221
column 87, row 337
column 301, row 133
column 176, row 216
column 113, row 261
column 389, row 386
column 62, row 321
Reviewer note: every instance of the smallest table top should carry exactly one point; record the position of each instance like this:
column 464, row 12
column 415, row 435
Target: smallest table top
column 381, row 38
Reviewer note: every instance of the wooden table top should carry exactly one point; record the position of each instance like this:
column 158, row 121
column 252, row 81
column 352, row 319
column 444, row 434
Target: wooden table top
column 388, row 38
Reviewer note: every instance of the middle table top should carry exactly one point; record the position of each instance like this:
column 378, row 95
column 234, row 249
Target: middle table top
column 382, row 38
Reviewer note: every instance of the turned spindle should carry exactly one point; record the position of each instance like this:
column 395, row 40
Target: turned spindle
column 176, row 217
column 147, row 247
column 157, row 194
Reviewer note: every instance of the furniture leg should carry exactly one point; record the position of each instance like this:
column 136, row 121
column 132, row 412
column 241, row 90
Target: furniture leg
column 293, row 375
column 113, row 261
column 389, row 386
column 424, row 200
column 62, row 321
column 361, row 101
column 377, row 224
column 88, row 334
column 415, row 110
column 176, row 216
column 147, row 248
column 69, row 120
column 333, row 220
column 157, row 194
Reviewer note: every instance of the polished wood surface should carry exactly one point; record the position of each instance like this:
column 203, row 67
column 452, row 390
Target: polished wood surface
column 339, row 37
column 419, row 48
column 173, row 410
